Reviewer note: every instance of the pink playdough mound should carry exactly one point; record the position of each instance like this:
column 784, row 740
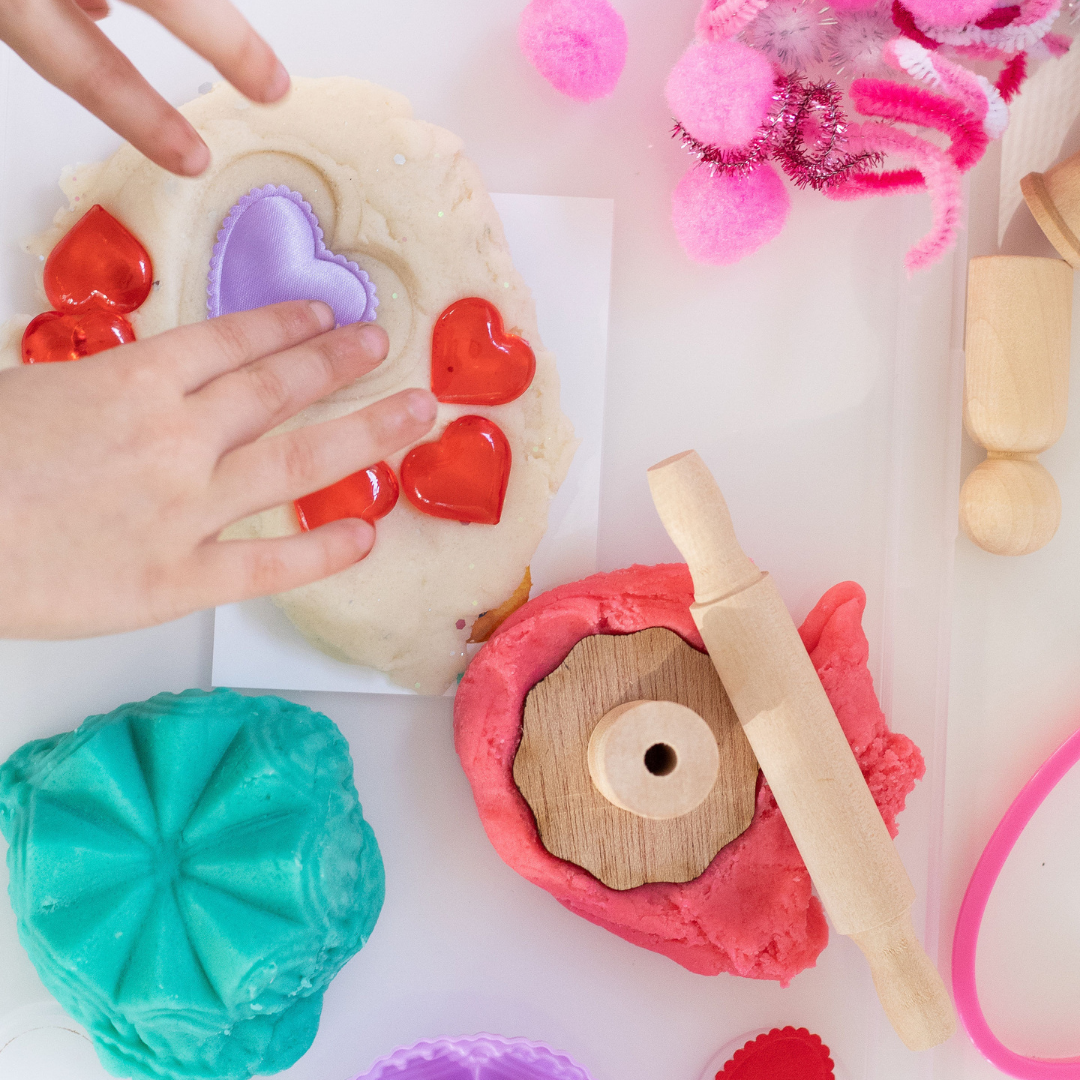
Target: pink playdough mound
column 751, row 912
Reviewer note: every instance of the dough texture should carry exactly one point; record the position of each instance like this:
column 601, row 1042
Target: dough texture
column 397, row 196
column 188, row 874
column 751, row 912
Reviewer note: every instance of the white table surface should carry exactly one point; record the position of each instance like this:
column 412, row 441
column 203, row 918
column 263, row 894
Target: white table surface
column 1014, row 698
column 783, row 415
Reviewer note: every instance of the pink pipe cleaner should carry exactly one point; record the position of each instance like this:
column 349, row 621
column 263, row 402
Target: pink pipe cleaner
column 938, row 172
column 1012, row 77
column 913, row 105
column 1019, row 34
column 720, row 19
column 945, row 75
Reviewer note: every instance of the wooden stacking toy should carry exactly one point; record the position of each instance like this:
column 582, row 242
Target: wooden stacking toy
column 802, row 750
column 633, row 761
column 1054, row 200
column 1019, row 314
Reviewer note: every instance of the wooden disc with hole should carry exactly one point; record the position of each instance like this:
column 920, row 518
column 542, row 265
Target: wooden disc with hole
column 551, row 769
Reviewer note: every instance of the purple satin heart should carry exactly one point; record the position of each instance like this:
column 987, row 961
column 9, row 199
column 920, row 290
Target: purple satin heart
column 270, row 248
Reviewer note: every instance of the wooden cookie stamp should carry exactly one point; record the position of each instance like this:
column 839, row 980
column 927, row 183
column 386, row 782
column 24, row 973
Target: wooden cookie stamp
column 623, row 783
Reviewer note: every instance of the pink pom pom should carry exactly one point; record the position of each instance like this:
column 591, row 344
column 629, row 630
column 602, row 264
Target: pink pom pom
column 950, row 12
column 721, row 92
column 852, row 5
column 721, row 219
column 579, row 46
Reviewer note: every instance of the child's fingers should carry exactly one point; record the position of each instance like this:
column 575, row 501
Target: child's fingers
column 62, row 44
column 241, row 405
column 220, row 34
column 232, row 570
column 277, row 470
column 200, row 352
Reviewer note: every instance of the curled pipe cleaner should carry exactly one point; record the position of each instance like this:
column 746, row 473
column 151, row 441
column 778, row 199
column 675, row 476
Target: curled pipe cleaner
column 800, row 105
column 818, row 106
column 941, row 177
column 725, row 18
column 1033, row 23
column 973, row 92
column 913, row 105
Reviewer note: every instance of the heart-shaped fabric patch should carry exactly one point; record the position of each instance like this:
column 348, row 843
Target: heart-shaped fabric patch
column 781, row 1054
column 56, row 335
column 462, row 476
column 474, row 361
column 98, row 262
column 270, row 248
column 369, row 494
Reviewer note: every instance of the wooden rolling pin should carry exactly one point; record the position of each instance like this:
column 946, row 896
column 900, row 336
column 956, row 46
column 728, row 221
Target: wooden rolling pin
column 802, row 750
column 1016, row 392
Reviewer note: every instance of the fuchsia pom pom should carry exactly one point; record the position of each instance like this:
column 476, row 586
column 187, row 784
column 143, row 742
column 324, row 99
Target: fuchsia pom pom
column 579, row 46
column 721, row 92
column 950, row 12
column 720, row 219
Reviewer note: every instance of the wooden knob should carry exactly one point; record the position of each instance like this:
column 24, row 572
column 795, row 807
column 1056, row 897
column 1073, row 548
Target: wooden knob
column 1010, row 505
column 1054, row 200
column 657, row 759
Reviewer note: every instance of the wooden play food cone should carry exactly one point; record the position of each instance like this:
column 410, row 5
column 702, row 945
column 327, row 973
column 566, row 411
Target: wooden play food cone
column 802, row 750
column 1016, row 390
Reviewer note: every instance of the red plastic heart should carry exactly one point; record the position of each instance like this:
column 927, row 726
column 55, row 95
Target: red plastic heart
column 782, row 1054
column 369, row 494
column 98, row 261
column 54, row 336
column 462, row 476
column 474, row 361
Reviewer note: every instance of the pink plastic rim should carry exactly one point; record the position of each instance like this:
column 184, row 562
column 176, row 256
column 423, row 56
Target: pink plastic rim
column 969, row 921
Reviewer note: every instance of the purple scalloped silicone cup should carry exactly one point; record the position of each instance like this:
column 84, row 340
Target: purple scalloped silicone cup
column 477, row 1057
column 270, row 248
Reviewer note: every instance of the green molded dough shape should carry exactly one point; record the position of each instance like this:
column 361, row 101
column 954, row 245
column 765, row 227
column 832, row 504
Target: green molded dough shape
column 188, row 874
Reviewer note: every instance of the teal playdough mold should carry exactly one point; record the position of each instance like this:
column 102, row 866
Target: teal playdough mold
column 188, row 874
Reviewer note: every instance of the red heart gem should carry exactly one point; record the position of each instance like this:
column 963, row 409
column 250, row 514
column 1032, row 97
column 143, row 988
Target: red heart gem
column 462, row 476
column 98, row 261
column 788, row 1054
column 56, row 336
column 369, row 494
column 474, row 361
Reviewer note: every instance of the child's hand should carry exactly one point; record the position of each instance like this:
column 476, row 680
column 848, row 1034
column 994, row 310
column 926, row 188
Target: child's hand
column 119, row 470
column 59, row 40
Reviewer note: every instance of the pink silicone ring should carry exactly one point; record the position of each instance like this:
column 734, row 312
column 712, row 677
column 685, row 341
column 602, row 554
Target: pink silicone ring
column 970, row 919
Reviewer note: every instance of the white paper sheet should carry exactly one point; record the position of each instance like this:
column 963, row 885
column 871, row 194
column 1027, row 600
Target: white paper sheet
column 562, row 247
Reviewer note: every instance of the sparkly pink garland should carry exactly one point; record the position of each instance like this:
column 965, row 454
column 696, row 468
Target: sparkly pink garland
column 782, row 137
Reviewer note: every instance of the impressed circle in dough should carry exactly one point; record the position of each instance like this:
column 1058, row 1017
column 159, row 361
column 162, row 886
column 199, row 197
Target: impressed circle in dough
column 397, row 196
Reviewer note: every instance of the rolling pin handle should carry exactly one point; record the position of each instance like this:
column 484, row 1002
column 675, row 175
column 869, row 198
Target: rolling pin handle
column 909, row 987
column 696, row 517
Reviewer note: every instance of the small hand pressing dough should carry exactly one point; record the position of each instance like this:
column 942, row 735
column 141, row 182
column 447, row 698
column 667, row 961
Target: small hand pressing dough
column 395, row 196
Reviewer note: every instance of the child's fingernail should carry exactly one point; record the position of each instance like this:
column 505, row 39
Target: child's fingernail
column 324, row 313
column 422, row 405
column 279, row 83
column 373, row 339
column 196, row 159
